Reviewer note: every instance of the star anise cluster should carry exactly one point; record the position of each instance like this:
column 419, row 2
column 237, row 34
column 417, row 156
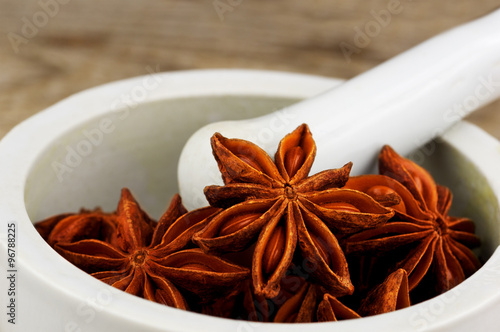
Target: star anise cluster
column 278, row 245
column 132, row 252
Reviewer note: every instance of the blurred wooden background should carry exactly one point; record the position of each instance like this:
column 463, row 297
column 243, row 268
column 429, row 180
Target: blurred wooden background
column 50, row 49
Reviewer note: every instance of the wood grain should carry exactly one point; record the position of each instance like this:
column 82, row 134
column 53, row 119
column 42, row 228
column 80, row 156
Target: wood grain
column 79, row 44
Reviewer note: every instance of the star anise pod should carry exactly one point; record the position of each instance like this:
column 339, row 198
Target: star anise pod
column 331, row 309
column 71, row 227
column 437, row 245
column 301, row 307
column 280, row 204
column 150, row 260
column 301, row 301
column 392, row 294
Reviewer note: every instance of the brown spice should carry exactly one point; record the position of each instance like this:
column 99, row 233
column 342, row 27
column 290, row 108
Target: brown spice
column 150, row 260
column 269, row 209
column 277, row 202
column 438, row 245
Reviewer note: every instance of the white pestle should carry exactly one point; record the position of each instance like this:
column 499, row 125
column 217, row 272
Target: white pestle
column 404, row 102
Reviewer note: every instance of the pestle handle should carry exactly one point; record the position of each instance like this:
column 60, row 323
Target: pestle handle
column 404, row 102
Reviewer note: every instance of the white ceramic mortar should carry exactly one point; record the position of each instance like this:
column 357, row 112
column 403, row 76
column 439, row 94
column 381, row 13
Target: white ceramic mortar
column 81, row 151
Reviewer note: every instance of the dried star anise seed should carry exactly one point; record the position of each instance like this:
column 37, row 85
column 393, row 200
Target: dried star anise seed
column 388, row 192
column 331, row 309
column 280, row 205
column 437, row 245
column 70, row 227
column 151, row 260
column 301, row 307
column 391, row 295
column 306, row 302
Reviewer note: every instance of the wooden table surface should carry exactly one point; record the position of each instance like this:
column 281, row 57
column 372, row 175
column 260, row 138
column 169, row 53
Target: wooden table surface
column 50, row 49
